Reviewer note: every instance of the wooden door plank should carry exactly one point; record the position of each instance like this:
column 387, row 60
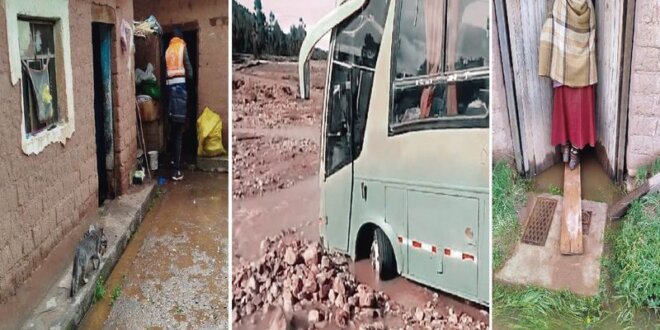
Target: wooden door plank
column 622, row 133
column 500, row 42
column 609, row 43
column 533, row 93
column 571, row 220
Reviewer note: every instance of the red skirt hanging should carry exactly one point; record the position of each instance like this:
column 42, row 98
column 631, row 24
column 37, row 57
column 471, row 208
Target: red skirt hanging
column 573, row 116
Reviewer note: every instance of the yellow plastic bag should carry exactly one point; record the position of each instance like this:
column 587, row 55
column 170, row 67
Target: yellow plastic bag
column 209, row 134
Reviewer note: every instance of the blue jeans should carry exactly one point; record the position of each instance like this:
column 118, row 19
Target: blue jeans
column 176, row 137
column 178, row 108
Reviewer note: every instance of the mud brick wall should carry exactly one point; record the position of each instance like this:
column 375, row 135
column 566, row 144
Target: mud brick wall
column 211, row 17
column 43, row 197
column 501, row 130
column 644, row 111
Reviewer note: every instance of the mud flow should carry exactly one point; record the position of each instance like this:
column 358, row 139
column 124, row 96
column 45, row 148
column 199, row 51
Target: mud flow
column 173, row 272
column 282, row 277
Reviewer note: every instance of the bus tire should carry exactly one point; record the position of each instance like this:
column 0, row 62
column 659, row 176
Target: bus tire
column 383, row 261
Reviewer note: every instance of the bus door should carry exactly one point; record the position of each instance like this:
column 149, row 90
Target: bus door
column 338, row 157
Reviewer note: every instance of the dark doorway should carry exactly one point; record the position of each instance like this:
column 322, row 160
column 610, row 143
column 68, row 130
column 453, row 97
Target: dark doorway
column 189, row 144
column 103, row 119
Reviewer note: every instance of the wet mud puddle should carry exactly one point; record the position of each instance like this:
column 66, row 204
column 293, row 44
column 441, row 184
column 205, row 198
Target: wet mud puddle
column 174, row 269
column 596, row 183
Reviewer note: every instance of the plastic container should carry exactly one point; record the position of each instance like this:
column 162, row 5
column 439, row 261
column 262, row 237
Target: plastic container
column 153, row 160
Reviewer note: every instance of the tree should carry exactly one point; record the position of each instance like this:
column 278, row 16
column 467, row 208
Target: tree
column 253, row 33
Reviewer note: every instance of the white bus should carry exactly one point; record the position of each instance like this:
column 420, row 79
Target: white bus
column 405, row 141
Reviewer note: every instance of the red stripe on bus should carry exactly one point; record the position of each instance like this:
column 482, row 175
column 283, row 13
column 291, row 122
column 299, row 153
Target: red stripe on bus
column 468, row 257
column 416, row 244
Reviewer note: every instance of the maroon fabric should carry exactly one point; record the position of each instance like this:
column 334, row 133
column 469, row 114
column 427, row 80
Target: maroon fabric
column 573, row 117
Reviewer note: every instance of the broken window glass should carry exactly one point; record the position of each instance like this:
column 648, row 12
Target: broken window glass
column 39, row 76
column 441, row 63
column 357, row 39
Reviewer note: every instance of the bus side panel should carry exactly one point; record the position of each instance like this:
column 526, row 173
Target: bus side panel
column 443, row 221
column 396, row 215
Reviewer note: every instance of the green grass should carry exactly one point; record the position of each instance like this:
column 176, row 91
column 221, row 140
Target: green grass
column 642, row 174
column 116, row 293
column 554, row 190
column 644, row 171
column 635, row 260
column 99, row 289
column 508, row 193
column 530, row 307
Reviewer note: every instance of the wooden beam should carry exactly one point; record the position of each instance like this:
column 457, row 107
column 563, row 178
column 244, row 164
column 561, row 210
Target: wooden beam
column 618, row 209
column 626, row 62
column 571, row 220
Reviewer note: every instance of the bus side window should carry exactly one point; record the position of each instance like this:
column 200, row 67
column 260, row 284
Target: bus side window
column 432, row 56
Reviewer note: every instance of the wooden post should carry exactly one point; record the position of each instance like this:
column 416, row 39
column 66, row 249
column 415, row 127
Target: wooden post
column 571, row 220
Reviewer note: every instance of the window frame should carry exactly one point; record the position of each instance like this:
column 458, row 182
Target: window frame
column 58, row 12
column 57, row 119
column 352, row 67
column 444, row 76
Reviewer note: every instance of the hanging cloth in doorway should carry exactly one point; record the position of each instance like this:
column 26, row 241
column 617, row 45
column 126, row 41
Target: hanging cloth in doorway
column 567, row 51
column 40, row 80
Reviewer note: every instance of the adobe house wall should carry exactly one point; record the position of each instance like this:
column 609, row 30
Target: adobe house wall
column 43, row 197
column 644, row 107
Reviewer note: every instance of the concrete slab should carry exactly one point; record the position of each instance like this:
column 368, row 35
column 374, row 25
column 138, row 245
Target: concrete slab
column 546, row 267
column 120, row 218
column 213, row 164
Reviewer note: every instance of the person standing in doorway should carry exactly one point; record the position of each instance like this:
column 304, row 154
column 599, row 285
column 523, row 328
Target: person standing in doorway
column 567, row 55
column 178, row 69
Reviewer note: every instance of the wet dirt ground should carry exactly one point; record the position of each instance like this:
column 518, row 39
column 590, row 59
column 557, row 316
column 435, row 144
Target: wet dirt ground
column 596, row 184
column 275, row 180
column 173, row 273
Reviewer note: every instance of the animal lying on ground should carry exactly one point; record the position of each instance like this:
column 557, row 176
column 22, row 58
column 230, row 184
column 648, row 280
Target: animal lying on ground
column 90, row 248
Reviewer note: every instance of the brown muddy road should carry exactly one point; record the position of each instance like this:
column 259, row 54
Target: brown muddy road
column 173, row 273
column 276, row 186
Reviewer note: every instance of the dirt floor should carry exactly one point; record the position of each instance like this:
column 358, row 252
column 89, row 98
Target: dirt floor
column 276, row 188
column 173, row 274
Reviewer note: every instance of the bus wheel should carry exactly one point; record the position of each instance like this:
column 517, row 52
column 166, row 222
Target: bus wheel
column 382, row 256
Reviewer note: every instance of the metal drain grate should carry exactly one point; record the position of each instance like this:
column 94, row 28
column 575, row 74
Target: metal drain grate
column 538, row 223
column 586, row 222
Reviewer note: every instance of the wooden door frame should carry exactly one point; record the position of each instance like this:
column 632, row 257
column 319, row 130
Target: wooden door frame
column 515, row 120
column 500, row 22
column 624, row 93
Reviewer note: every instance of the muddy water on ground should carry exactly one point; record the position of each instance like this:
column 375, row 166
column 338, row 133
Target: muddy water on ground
column 174, row 269
column 596, row 183
column 410, row 294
